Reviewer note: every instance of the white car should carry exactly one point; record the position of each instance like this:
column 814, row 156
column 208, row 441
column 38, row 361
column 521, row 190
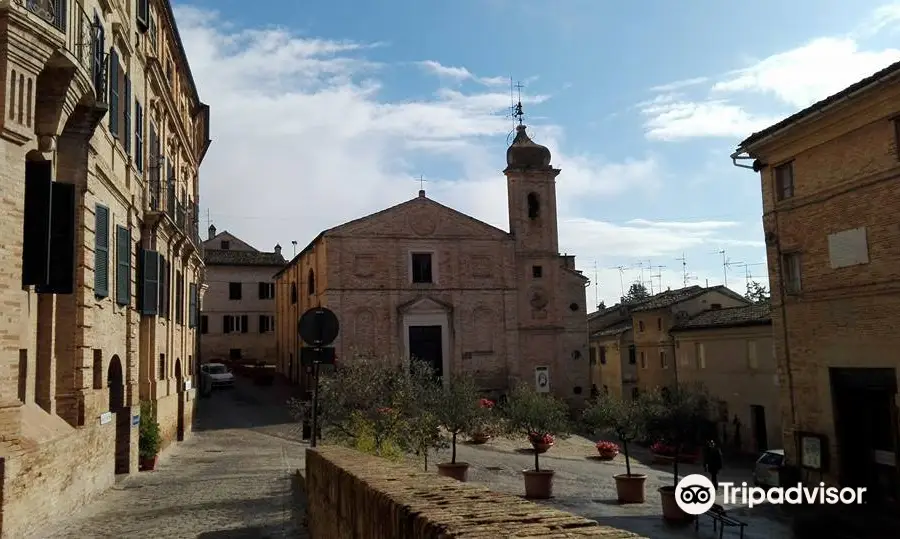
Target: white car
column 218, row 375
column 766, row 470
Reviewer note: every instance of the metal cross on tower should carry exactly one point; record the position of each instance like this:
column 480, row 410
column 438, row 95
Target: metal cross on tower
column 421, row 181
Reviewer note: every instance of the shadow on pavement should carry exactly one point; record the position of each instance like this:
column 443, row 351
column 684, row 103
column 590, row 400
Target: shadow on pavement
column 251, row 532
column 245, row 406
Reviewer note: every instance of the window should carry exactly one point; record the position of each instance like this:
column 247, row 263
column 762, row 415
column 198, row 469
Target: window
column 234, row 291
column 101, row 251
column 534, row 206
column 204, row 324
column 293, row 293
column 234, row 353
column 700, row 352
column 142, row 15
column 138, row 136
column 125, row 107
column 640, row 325
column 310, row 283
column 162, row 367
column 98, row 50
column 123, row 266
column 98, row 369
column 643, row 360
column 573, row 307
column 537, row 272
column 266, row 323
column 235, row 323
column 632, row 355
column 193, row 305
column 659, row 324
column 225, row 245
column 592, row 355
column 421, row 268
column 114, row 109
column 169, row 71
column 179, row 298
column 784, row 181
column 266, row 290
column 752, row 361
column 603, row 355
column 791, row 273
column 148, row 282
column 663, row 360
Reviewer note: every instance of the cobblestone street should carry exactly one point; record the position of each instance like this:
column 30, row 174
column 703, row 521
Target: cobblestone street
column 230, row 480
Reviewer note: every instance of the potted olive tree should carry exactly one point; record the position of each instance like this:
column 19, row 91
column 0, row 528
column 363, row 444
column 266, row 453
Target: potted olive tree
column 627, row 421
column 149, row 439
column 458, row 410
column 539, row 416
column 422, row 426
column 678, row 415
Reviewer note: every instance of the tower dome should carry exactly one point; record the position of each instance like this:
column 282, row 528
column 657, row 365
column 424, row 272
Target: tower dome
column 524, row 153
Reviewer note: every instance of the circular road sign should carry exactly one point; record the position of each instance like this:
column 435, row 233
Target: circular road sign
column 318, row 326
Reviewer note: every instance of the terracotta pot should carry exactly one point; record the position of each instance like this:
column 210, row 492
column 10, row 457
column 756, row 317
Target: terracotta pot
column 149, row 463
column 538, row 484
column 480, row 438
column 608, row 455
column 630, row 488
column 541, row 448
column 456, row 470
column 670, row 510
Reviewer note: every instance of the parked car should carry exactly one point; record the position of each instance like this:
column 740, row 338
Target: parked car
column 217, row 374
column 766, row 470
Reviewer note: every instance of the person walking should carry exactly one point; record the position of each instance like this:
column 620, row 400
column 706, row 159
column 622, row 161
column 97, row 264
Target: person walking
column 712, row 462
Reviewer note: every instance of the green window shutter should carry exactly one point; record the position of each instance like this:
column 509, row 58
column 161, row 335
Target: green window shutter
column 113, row 92
column 123, row 266
column 192, row 314
column 101, row 251
column 126, row 116
column 149, row 280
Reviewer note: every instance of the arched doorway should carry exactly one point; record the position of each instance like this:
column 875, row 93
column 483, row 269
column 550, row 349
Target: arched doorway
column 115, row 384
column 179, row 381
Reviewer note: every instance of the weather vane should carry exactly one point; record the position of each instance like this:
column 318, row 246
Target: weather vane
column 518, row 113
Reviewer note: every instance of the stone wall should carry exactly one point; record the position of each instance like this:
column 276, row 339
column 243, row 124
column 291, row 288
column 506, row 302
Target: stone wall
column 351, row 494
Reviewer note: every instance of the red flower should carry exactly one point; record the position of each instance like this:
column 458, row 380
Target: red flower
column 385, row 410
column 607, row 447
column 486, row 403
column 661, row 448
column 536, row 438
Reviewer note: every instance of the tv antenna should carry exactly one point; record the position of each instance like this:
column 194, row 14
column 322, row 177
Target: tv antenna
column 596, row 285
column 726, row 264
column 684, row 271
column 621, row 277
column 748, row 275
column 649, row 268
column 658, row 276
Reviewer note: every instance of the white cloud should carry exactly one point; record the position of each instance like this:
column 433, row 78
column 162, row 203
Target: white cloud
column 307, row 142
column 460, row 74
column 793, row 80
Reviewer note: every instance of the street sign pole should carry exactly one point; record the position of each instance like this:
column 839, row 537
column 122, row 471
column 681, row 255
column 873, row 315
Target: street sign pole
column 318, row 328
column 314, row 435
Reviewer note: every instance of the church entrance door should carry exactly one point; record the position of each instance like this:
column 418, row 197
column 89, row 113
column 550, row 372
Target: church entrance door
column 426, row 344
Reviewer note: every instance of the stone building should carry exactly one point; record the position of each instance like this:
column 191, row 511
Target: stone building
column 631, row 347
column 102, row 136
column 729, row 351
column 421, row 279
column 829, row 177
column 238, row 317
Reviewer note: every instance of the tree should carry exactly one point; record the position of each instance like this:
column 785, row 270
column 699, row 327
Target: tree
column 680, row 416
column 626, row 419
column 636, row 292
column 531, row 413
column 757, row 293
column 458, row 409
column 422, row 428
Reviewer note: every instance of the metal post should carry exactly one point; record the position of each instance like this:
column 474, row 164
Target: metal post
column 315, row 406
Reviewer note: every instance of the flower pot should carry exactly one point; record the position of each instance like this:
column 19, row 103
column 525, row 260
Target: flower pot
column 630, row 488
column 670, row 510
column 480, row 438
column 538, row 484
column 149, row 463
column 456, row 470
column 541, row 447
column 608, row 455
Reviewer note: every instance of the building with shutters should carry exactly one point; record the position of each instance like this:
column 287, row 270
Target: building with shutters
column 422, row 280
column 238, row 317
column 101, row 137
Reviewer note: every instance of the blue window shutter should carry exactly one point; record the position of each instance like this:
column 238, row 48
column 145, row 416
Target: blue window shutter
column 123, row 266
column 101, row 251
column 126, row 116
column 113, row 81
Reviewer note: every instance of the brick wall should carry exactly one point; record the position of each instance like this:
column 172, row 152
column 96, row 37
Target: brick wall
column 351, row 494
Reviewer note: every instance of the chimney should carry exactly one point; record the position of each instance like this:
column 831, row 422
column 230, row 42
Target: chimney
column 212, row 232
column 277, row 248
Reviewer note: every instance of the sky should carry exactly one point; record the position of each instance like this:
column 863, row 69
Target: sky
column 325, row 111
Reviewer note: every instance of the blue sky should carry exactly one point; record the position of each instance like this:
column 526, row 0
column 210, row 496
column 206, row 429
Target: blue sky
column 326, row 111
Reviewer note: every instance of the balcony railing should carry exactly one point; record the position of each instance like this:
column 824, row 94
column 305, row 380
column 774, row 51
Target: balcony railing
column 186, row 216
column 52, row 11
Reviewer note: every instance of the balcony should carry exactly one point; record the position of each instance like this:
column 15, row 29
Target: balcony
column 184, row 216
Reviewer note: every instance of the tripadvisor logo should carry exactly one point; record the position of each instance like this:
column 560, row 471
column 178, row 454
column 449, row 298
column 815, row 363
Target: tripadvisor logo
column 695, row 495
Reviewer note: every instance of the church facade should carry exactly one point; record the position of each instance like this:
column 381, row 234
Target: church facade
column 422, row 280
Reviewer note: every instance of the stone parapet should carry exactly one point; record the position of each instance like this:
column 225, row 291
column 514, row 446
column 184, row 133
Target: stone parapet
column 351, row 494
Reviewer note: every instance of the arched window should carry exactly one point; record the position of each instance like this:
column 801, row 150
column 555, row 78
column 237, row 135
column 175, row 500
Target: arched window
column 293, row 293
column 311, row 282
column 534, row 206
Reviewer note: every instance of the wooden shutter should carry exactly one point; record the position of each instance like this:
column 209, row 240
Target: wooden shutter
column 126, row 113
column 123, row 266
column 101, row 251
column 167, row 300
column 245, row 323
column 61, row 279
column 138, row 136
column 161, row 303
column 36, row 238
column 149, row 279
column 192, row 305
column 179, row 298
column 142, row 15
column 113, row 92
